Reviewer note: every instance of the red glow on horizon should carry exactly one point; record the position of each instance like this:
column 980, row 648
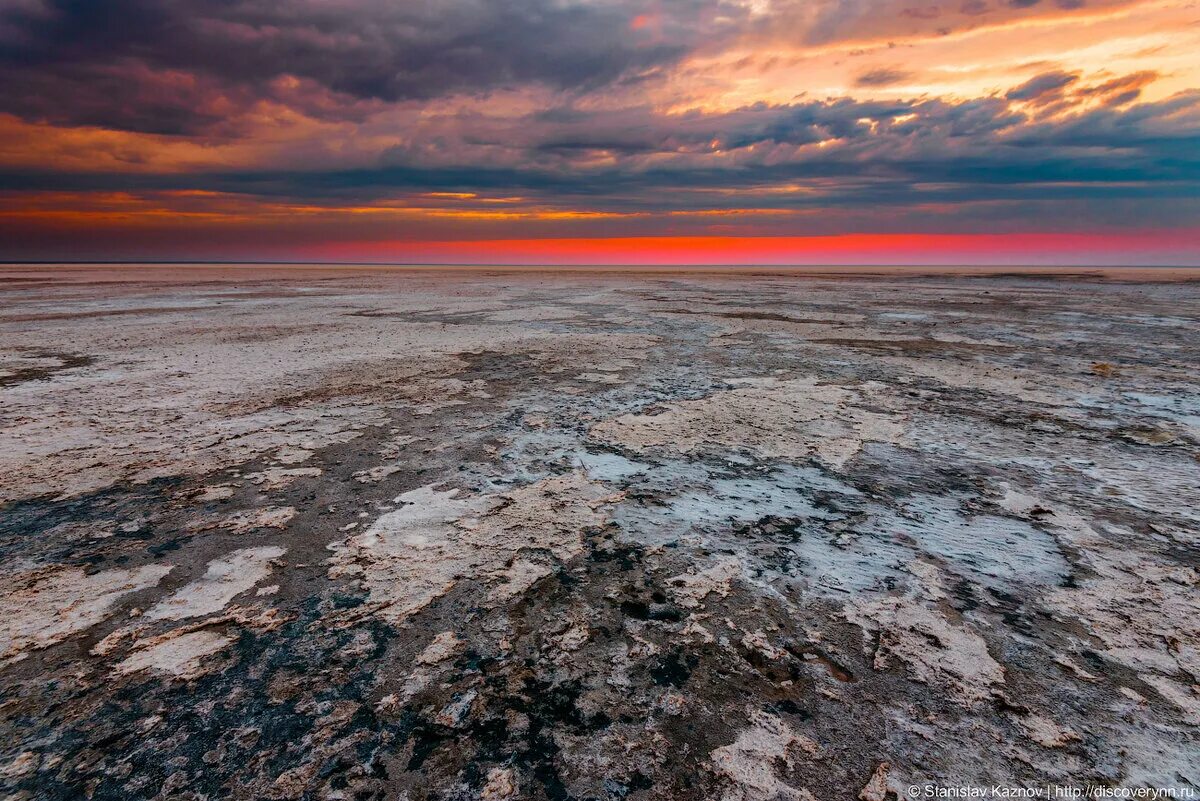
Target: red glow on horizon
column 867, row 249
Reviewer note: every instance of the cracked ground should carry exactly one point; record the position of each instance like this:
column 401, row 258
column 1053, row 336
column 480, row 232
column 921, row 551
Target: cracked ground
column 352, row 534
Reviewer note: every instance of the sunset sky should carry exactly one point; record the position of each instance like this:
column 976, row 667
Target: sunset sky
column 601, row 131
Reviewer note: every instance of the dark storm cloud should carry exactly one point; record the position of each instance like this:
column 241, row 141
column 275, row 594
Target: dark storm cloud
column 191, row 67
column 178, row 66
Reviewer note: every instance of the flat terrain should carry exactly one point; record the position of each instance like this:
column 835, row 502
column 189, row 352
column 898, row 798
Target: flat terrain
column 276, row 533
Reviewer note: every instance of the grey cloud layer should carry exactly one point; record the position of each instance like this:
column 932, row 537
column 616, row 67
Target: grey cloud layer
column 191, row 66
column 180, row 66
column 870, row 153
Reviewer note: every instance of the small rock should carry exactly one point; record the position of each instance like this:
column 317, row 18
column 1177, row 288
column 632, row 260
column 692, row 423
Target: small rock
column 501, row 784
column 877, row 787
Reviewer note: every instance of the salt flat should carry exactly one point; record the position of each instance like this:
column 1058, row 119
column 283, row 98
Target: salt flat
column 360, row 533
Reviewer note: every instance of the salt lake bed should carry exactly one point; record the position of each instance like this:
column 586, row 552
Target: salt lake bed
column 275, row 533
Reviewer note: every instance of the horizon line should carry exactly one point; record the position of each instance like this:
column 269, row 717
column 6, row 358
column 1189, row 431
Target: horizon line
column 493, row 265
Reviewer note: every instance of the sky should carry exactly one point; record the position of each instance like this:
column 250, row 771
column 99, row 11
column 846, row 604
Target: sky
column 601, row 131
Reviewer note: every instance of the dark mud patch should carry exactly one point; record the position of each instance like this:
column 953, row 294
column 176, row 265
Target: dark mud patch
column 293, row 702
column 84, row 529
column 66, row 362
column 91, row 315
column 910, row 346
column 768, row 316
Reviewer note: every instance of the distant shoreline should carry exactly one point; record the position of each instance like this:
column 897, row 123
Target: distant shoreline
column 159, row 270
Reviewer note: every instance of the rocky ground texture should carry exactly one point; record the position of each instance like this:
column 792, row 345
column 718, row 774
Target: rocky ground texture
column 349, row 534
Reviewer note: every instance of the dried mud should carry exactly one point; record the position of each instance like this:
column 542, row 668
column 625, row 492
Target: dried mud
column 370, row 535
